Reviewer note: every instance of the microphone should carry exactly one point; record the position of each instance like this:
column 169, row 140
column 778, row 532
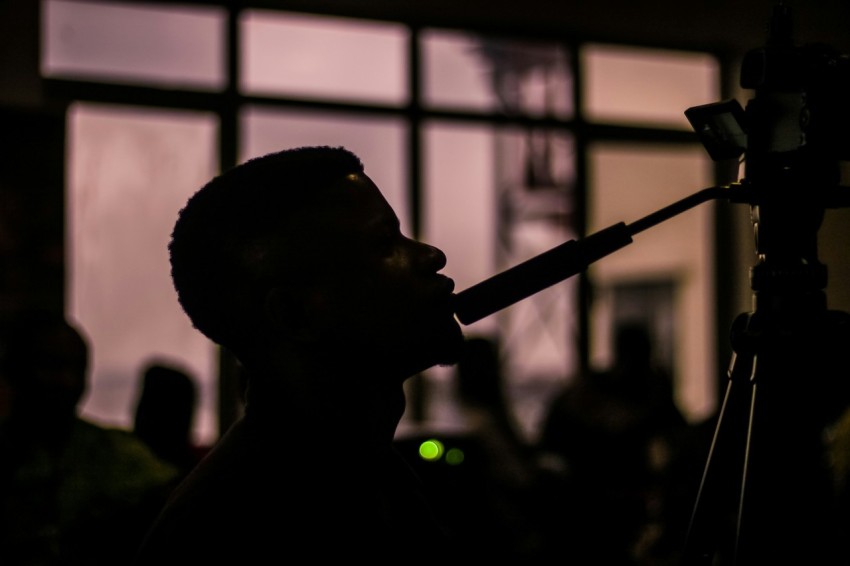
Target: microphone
column 567, row 259
column 538, row 273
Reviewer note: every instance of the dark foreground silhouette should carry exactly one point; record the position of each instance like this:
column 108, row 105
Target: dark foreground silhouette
column 295, row 263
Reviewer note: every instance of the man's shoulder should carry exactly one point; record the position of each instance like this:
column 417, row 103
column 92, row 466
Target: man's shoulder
column 204, row 516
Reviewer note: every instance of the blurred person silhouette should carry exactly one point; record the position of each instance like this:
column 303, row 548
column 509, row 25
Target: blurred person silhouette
column 501, row 467
column 610, row 435
column 165, row 412
column 71, row 491
column 295, row 262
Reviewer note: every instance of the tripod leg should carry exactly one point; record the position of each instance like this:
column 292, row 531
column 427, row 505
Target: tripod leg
column 784, row 510
column 711, row 528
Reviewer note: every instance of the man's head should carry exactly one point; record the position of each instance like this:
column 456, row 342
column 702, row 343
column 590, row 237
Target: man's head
column 300, row 247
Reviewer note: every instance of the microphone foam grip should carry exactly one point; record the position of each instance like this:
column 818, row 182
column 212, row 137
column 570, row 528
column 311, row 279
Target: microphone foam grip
column 538, row 273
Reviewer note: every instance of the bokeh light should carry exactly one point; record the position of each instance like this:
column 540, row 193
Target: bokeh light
column 431, row 450
column 455, row 456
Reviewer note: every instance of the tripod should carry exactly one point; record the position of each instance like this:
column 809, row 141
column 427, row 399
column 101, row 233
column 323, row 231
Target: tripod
column 767, row 493
column 767, row 489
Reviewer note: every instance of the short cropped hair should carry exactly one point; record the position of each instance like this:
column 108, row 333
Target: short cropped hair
column 219, row 265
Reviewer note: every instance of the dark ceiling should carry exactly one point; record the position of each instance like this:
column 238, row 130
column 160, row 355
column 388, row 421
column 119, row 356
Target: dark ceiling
column 731, row 26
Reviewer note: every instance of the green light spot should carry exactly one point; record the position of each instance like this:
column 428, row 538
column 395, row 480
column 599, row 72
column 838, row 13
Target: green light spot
column 454, row 456
column 431, row 449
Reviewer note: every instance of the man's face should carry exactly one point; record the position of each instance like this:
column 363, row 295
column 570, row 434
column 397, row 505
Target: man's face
column 386, row 297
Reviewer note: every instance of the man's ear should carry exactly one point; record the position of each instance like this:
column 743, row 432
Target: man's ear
column 296, row 312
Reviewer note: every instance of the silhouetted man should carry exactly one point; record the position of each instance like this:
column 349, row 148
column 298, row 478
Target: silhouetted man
column 295, row 263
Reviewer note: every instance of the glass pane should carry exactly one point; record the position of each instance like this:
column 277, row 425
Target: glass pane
column 130, row 171
column 161, row 45
column 459, row 207
column 649, row 87
column 627, row 183
column 379, row 142
column 536, row 182
column 466, row 71
column 487, row 213
column 459, row 217
column 315, row 56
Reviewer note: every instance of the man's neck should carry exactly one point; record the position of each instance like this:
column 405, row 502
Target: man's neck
column 325, row 400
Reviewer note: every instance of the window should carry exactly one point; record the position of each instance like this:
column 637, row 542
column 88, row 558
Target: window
column 130, row 171
column 630, row 182
column 646, row 86
column 477, row 140
column 322, row 57
column 146, row 45
column 467, row 71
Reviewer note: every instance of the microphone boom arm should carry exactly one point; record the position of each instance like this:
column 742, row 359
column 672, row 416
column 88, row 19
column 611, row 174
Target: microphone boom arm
column 563, row 261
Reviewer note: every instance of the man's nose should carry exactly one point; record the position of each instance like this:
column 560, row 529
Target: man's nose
column 433, row 258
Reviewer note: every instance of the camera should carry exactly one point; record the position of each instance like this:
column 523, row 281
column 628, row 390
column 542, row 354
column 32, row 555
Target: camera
column 797, row 123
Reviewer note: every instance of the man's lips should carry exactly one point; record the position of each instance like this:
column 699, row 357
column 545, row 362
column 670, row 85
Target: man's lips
column 443, row 294
column 448, row 284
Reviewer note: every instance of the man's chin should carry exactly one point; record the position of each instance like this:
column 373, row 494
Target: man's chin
column 449, row 347
column 439, row 349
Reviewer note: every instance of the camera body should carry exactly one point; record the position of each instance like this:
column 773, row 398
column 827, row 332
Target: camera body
column 799, row 118
column 793, row 135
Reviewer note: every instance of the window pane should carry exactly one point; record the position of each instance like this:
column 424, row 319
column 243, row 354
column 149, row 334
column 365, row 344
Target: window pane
column 460, row 203
column 466, row 71
column 379, row 142
column 488, row 213
column 646, row 86
column 459, row 217
column 315, row 56
column 628, row 183
column 536, row 181
column 161, row 45
column 130, row 171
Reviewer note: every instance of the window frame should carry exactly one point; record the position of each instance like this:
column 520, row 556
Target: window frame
column 227, row 102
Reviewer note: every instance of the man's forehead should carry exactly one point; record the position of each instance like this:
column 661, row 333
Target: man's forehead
column 355, row 200
column 345, row 212
column 356, row 186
